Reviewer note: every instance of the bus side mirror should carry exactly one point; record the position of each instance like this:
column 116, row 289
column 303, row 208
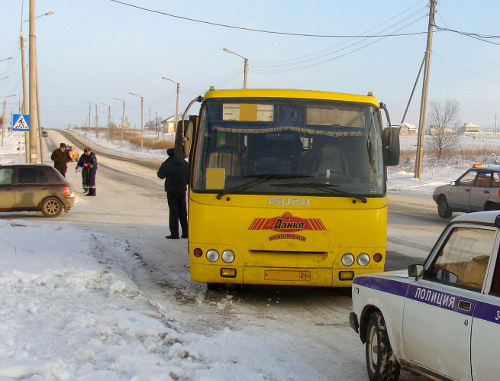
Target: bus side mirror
column 390, row 143
column 183, row 138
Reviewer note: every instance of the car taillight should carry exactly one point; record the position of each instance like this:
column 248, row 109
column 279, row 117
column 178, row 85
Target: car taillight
column 67, row 191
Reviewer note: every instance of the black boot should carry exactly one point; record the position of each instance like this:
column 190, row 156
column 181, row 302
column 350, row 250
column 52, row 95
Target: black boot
column 92, row 192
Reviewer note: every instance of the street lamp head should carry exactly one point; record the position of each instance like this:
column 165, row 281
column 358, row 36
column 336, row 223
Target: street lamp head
column 6, row 59
column 228, row 51
column 137, row 95
column 168, row 79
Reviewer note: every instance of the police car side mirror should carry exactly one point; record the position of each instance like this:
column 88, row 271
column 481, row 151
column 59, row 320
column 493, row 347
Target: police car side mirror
column 415, row 270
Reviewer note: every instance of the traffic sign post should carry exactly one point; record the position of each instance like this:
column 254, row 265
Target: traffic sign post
column 21, row 122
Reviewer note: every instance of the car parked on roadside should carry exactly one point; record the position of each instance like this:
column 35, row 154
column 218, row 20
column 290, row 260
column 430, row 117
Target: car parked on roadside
column 34, row 187
column 440, row 319
column 476, row 190
column 44, row 133
column 73, row 152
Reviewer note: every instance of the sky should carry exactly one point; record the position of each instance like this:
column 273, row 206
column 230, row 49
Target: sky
column 98, row 50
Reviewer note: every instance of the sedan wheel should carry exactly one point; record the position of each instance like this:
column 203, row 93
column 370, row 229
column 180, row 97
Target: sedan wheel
column 443, row 208
column 51, row 207
column 380, row 361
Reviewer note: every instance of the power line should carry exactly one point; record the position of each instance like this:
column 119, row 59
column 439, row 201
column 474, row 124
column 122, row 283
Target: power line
column 477, row 36
column 262, row 30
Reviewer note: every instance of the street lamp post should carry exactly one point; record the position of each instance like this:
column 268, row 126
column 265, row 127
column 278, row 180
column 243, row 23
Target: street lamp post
column 176, row 117
column 123, row 121
column 245, row 66
column 3, row 115
column 90, row 110
column 109, row 120
column 142, row 117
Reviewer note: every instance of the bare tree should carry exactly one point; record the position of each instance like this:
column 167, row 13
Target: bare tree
column 444, row 121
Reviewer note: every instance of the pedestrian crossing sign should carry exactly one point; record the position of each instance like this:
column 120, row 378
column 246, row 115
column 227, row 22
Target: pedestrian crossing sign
column 20, row 122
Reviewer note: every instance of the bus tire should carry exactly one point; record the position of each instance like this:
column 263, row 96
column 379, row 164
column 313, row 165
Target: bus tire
column 213, row 286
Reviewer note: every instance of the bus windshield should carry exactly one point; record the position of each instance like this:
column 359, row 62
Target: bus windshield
column 289, row 146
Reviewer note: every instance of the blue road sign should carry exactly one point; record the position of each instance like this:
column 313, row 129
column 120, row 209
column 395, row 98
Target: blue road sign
column 20, row 122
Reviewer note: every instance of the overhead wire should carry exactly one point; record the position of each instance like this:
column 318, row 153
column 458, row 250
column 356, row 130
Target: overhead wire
column 254, row 29
column 315, row 55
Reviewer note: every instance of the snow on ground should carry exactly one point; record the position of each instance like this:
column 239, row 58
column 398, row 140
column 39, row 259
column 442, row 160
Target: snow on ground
column 69, row 311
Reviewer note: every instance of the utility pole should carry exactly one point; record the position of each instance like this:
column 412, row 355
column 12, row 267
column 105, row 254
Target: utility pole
column 425, row 86
column 96, row 123
column 33, row 85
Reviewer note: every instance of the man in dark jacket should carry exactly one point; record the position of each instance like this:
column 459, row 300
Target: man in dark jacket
column 61, row 159
column 88, row 163
column 175, row 171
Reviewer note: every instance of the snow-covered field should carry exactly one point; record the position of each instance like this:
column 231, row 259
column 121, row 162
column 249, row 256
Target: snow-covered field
column 70, row 311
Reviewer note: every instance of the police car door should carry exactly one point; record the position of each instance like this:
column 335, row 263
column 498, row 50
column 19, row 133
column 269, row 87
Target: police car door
column 485, row 351
column 460, row 192
column 438, row 310
column 480, row 191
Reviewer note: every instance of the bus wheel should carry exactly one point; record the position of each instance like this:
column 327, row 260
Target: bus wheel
column 213, row 286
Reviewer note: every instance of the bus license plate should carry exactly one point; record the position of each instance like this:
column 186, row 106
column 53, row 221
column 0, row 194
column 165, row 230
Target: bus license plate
column 288, row 275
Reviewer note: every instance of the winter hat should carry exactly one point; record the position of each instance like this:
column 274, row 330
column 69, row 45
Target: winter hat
column 62, row 145
column 171, row 152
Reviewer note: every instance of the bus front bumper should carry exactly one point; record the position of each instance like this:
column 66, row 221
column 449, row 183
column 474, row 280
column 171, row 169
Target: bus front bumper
column 319, row 277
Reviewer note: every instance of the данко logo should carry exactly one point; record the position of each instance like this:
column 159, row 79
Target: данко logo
column 287, row 226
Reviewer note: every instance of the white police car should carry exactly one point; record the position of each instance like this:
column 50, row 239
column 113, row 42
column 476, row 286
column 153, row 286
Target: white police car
column 440, row 319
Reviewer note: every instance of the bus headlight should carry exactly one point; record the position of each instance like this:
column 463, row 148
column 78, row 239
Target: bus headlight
column 228, row 256
column 212, row 255
column 363, row 259
column 347, row 259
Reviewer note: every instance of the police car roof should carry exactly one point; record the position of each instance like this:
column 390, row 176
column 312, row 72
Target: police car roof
column 479, row 217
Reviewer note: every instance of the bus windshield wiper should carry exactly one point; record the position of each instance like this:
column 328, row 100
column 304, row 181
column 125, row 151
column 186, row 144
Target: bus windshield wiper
column 326, row 187
column 258, row 179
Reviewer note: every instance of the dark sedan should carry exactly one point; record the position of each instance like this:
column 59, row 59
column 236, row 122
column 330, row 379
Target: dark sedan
column 34, row 187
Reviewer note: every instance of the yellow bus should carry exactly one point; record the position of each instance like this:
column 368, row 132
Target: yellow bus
column 287, row 187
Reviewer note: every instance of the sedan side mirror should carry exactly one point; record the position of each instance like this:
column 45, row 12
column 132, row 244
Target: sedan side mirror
column 415, row 270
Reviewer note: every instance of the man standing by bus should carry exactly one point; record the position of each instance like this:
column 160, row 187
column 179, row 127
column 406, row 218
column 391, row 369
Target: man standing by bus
column 61, row 158
column 175, row 171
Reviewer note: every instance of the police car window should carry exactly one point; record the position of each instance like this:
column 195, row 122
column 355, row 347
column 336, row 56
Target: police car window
column 496, row 179
column 5, row 176
column 463, row 259
column 467, row 179
column 483, row 179
column 495, row 285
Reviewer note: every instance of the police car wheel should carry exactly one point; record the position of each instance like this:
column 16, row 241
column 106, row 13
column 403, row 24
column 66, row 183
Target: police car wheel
column 443, row 208
column 52, row 207
column 380, row 361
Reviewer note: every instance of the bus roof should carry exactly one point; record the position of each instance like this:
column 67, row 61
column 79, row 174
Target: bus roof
column 290, row 93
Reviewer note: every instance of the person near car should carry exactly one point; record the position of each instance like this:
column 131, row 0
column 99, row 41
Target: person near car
column 88, row 163
column 61, row 159
column 175, row 171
